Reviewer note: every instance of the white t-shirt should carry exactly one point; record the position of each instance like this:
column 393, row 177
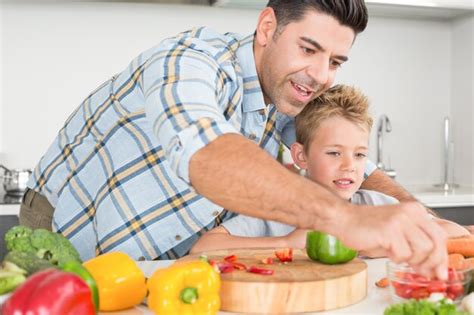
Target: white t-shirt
column 243, row 225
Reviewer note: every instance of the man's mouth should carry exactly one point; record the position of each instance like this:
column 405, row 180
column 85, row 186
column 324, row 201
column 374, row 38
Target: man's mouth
column 304, row 91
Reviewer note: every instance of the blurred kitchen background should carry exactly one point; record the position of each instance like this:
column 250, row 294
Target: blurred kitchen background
column 414, row 61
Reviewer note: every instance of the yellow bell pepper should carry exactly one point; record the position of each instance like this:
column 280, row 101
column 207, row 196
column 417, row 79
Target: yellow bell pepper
column 121, row 283
column 185, row 288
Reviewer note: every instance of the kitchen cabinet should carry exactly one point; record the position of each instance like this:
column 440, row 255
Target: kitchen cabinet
column 460, row 215
column 8, row 218
column 456, row 205
column 432, row 9
column 6, row 222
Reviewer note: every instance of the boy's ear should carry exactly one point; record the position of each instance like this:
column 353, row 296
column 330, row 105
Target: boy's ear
column 297, row 153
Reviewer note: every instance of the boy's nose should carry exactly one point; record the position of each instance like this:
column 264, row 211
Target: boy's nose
column 348, row 165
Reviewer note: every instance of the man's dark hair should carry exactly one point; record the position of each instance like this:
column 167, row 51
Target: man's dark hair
column 351, row 13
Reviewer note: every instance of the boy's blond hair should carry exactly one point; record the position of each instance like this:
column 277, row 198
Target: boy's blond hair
column 342, row 101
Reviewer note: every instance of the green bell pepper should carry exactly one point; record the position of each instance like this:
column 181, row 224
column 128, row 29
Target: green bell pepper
column 327, row 249
column 78, row 269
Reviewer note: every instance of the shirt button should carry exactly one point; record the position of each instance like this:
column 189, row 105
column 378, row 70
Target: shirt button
column 177, row 237
column 252, row 136
column 141, row 258
column 215, row 213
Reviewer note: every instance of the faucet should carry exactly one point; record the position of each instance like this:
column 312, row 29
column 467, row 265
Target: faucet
column 383, row 125
column 446, row 185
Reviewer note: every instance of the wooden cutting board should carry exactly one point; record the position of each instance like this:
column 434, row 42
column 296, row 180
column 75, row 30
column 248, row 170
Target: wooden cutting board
column 299, row 286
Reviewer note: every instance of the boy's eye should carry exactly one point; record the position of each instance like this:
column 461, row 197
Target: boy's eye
column 361, row 155
column 334, row 153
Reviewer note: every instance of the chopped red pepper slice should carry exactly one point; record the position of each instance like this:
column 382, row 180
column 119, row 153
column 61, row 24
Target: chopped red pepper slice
column 239, row 266
column 225, row 267
column 230, row 258
column 260, row 271
column 284, row 255
column 267, row 261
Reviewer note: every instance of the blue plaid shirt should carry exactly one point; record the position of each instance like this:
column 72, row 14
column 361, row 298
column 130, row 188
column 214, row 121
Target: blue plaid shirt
column 117, row 173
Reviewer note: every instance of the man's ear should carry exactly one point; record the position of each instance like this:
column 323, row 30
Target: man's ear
column 298, row 155
column 266, row 26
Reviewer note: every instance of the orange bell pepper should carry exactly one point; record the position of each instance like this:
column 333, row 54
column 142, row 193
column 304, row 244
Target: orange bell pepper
column 121, row 283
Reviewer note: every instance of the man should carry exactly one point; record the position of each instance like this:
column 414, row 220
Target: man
column 151, row 158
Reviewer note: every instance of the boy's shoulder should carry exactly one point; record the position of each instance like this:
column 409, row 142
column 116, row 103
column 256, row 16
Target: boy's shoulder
column 373, row 198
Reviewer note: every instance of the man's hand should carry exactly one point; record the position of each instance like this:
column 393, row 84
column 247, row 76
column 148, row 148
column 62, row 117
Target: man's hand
column 296, row 239
column 403, row 231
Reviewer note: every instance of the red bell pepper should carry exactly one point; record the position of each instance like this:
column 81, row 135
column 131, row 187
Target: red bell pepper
column 51, row 292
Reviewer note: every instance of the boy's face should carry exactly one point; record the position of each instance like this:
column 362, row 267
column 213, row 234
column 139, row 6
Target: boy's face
column 336, row 156
column 302, row 61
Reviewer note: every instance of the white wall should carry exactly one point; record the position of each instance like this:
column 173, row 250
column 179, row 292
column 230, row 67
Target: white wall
column 462, row 106
column 404, row 67
column 54, row 55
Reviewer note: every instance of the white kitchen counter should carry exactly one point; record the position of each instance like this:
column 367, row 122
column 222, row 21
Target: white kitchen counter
column 436, row 198
column 10, row 209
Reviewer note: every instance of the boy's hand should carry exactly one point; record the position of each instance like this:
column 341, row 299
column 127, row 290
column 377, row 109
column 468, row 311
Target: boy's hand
column 452, row 229
column 296, row 239
column 470, row 228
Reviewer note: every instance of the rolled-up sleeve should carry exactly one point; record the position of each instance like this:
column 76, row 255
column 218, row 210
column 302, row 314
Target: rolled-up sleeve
column 185, row 93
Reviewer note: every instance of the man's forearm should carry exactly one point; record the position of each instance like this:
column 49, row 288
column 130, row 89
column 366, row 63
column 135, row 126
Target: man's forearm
column 380, row 182
column 238, row 175
column 216, row 241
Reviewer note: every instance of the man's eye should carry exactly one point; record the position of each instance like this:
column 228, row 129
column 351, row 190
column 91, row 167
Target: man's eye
column 361, row 155
column 336, row 64
column 307, row 50
column 334, row 153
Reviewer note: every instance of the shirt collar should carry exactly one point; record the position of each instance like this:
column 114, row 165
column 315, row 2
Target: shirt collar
column 253, row 96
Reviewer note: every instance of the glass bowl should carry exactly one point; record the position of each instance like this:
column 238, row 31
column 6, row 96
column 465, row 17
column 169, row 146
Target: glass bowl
column 406, row 284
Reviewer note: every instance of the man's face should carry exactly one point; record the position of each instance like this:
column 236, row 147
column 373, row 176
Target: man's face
column 336, row 156
column 300, row 63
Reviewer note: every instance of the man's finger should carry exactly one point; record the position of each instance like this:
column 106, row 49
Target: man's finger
column 421, row 245
column 399, row 248
column 437, row 261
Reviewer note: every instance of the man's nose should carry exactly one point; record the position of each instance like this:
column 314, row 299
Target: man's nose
column 319, row 70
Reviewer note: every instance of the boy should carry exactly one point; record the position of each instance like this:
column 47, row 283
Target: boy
column 332, row 137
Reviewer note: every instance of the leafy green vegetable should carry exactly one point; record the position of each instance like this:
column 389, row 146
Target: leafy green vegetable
column 414, row 307
column 11, row 276
column 46, row 245
column 27, row 261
